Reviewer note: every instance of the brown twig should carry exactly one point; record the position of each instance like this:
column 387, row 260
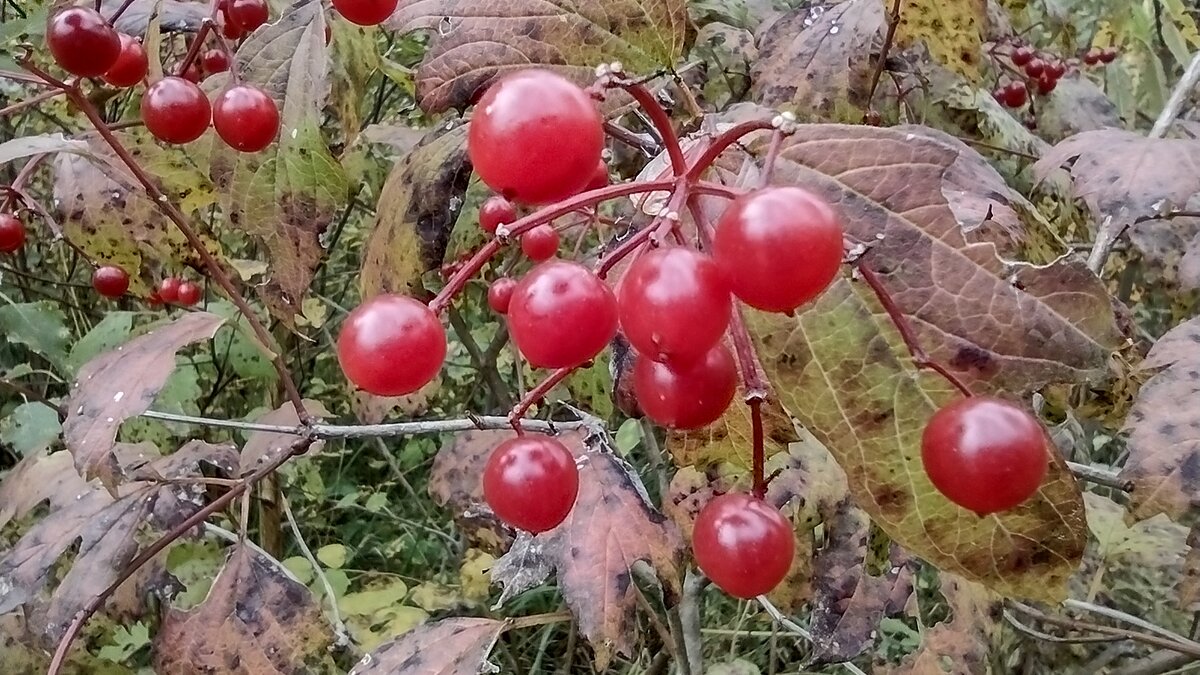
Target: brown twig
column 893, row 20
column 1121, row 633
column 22, row 390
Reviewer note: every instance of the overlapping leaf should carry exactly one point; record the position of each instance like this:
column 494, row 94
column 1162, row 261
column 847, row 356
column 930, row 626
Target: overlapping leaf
column 952, row 31
column 457, row 646
column 264, row 446
column 959, row 646
column 456, row 483
column 729, row 439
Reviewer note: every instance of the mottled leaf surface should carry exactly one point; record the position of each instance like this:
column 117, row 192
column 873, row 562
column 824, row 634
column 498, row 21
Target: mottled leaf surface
column 36, row 479
column 122, row 383
column 456, row 646
column 256, row 620
column 958, row 646
column 455, row 483
column 264, row 446
column 952, row 31
column 730, row 439
column 474, row 42
column 30, row 428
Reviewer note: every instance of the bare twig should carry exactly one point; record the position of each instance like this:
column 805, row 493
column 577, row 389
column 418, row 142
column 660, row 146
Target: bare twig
column 1129, row 619
column 1178, row 95
column 1077, row 625
column 339, row 627
column 29, row 394
column 1107, row 235
column 893, row 20
column 1105, row 477
column 328, row 431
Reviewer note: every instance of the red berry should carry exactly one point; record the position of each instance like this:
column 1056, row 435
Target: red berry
column 780, row 247
column 1092, row 57
column 1046, row 84
column 1035, row 67
column 500, row 294
column 561, row 315
column 110, row 281
column 82, row 42
column 600, row 178
column 154, row 299
column 536, row 137
column 984, row 454
column 1022, row 56
column 247, row 14
column 189, row 294
column 168, row 289
column 192, row 74
column 1108, row 54
column 12, row 233
column 365, row 12
column 175, row 110
column 1014, row 94
column 131, row 66
column 531, row 482
column 540, row 243
column 215, row 61
column 690, row 396
column 496, row 211
column 674, row 304
column 229, row 29
column 245, row 117
column 744, row 545
column 391, row 345
column 1056, row 69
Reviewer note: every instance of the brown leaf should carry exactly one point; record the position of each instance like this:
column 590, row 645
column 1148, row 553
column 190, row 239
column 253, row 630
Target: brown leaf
column 817, row 58
column 457, row 646
column 474, row 42
column 960, row 644
column 263, row 446
column 1189, row 584
column 417, row 209
column 120, row 384
column 256, row 620
column 37, row 479
column 1164, row 432
column 456, row 483
column 612, row 526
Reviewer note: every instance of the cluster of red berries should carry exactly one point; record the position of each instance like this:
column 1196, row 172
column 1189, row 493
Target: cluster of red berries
column 174, row 109
column 176, row 291
column 1040, row 71
column 1096, row 56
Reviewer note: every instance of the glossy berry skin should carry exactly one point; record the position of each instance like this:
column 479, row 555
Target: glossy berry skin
column 1013, row 95
column 110, row 281
column 168, row 289
column 230, row 30
column 531, row 482
column 500, row 294
column 599, row 178
column 215, row 61
column 365, row 12
column 561, row 315
column 744, row 545
column 984, row 454
column 1022, row 56
column 1056, row 69
column 176, row 110
column 1046, row 84
column 130, row 67
column 12, row 233
column 540, row 243
column 1108, row 55
column 189, row 294
column 247, row 14
column 780, row 247
column 391, row 345
column 496, row 211
column 82, row 42
column 1092, row 57
column 690, row 396
column 1035, row 67
column 245, row 117
column 535, row 137
column 192, row 74
column 674, row 304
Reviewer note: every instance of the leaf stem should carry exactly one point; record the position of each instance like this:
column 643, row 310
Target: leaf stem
column 660, row 119
column 893, row 20
column 720, row 143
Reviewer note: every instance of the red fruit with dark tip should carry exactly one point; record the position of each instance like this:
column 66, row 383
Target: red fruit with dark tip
column 230, row 30
column 391, row 345
column 535, row 137
column 12, row 233
column 674, row 304
column 365, row 12
column 540, row 243
column 500, row 294
column 531, row 482
column 1046, row 84
column 168, row 289
column 1022, row 56
column 176, row 110
column 496, row 211
column 192, row 74
column 247, row 14
column 1108, row 54
column 1035, row 67
column 1056, row 69
column 131, row 66
column 215, row 61
column 110, row 281
column 780, row 247
column 689, row 396
column 984, row 454
column 246, row 118
column 82, row 42
column 189, row 294
column 744, row 545
column 561, row 315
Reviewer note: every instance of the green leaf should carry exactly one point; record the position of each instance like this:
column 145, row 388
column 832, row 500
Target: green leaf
column 366, row 603
column 112, row 330
column 30, row 428
column 39, row 326
column 332, row 556
column 628, row 436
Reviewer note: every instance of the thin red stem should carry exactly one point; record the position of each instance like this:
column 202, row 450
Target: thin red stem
column 757, row 435
column 662, row 122
column 668, row 214
column 720, row 143
column 772, row 156
column 536, row 394
column 194, row 50
column 120, row 10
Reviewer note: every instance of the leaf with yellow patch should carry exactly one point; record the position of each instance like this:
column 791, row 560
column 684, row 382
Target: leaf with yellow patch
column 729, row 439
column 952, row 30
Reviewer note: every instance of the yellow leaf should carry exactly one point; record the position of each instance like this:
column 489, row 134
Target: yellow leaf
column 368, row 602
column 332, row 556
column 951, row 29
column 473, row 575
column 434, row 596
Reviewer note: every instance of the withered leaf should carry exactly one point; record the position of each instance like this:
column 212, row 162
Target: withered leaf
column 256, row 620
column 264, row 446
column 456, row 483
column 1189, row 583
column 37, row 479
column 473, row 42
column 1164, row 429
column 457, row 646
column 26, row 146
column 417, row 209
column 960, row 644
column 612, row 526
column 120, row 384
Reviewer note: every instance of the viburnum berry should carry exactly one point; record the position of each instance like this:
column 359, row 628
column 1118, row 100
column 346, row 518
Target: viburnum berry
column 168, row 289
column 245, row 117
column 230, row 30
column 1108, row 54
column 82, row 42
column 1046, row 84
column 215, row 61
column 1035, row 67
column 561, row 315
column 176, row 110
column 12, row 233
column 674, row 304
column 535, row 137
column 540, row 243
column 189, row 294
column 131, row 66
column 247, row 14
column 780, row 247
column 391, row 345
column 531, row 482
column 1022, row 56
column 192, row 74
column 110, row 281
column 743, row 544
column 688, row 396
column 1092, row 56
column 496, row 211
column 1013, row 95
column 365, row 12
column 500, row 294
column 1056, row 69
column 984, row 454
column 599, row 178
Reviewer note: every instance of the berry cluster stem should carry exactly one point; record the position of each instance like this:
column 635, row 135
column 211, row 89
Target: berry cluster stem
column 759, row 443
column 661, row 121
column 667, row 218
column 721, row 143
column 536, row 394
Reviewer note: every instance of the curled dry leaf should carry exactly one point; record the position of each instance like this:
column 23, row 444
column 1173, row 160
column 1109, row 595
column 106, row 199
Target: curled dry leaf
column 37, row 479
column 263, row 446
column 256, row 620
column 120, row 384
column 962, row 643
column 457, row 646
